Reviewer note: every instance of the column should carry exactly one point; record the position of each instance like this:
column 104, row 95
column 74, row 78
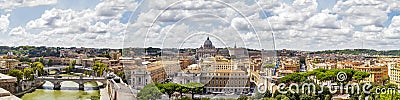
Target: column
column 81, row 86
column 57, row 85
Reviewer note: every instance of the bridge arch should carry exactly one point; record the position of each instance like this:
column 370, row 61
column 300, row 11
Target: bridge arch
column 57, row 82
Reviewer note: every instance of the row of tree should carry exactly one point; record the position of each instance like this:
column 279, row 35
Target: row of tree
column 360, row 51
column 323, row 75
column 155, row 90
column 320, row 75
column 27, row 73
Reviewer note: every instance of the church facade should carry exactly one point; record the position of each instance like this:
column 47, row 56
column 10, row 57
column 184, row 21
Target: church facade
column 206, row 50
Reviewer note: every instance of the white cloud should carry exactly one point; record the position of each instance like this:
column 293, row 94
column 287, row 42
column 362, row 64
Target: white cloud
column 58, row 18
column 18, row 32
column 324, row 20
column 114, row 8
column 8, row 5
column 363, row 12
column 4, row 23
column 372, row 28
column 393, row 31
column 299, row 25
column 99, row 27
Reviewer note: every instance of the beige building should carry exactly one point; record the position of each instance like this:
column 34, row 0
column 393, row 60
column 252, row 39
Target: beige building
column 191, row 74
column 394, row 73
column 171, row 67
column 7, row 64
column 140, row 73
column 377, row 72
column 222, row 75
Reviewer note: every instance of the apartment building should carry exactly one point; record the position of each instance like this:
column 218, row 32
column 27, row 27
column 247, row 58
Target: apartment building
column 140, row 73
column 377, row 72
column 222, row 75
column 394, row 73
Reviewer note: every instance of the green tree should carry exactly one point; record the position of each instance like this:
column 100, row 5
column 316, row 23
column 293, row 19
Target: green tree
column 385, row 80
column 28, row 73
column 390, row 95
column 267, row 99
column 99, row 68
column 295, row 77
column 122, row 75
column 16, row 73
column 50, row 62
column 41, row 60
column 269, row 65
column 181, row 89
column 149, row 92
column 281, row 97
column 359, row 75
column 321, row 75
column 38, row 66
column 305, row 97
column 194, row 87
column 73, row 63
column 168, row 88
column 242, row 97
column 259, row 95
column 95, row 98
column 71, row 66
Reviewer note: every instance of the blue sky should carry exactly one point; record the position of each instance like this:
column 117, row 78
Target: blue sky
column 297, row 24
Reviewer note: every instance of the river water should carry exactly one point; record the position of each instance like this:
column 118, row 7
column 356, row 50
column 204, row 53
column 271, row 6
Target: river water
column 69, row 91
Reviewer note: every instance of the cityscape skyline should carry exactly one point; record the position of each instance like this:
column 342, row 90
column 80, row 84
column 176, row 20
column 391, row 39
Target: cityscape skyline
column 199, row 49
column 297, row 24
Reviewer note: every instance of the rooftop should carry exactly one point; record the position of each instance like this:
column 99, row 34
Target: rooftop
column 154, row 67
column 6, row 78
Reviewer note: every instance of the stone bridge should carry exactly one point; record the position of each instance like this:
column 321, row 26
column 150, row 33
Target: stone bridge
column 80, row 80
column 58, row 68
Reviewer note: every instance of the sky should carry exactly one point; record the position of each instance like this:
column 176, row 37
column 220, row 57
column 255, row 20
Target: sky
column 259, row 24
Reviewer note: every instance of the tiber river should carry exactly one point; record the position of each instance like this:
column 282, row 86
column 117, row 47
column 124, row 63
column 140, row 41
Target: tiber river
column 69, row 91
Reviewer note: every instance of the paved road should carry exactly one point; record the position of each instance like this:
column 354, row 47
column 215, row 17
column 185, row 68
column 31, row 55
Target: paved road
column 124, row 93
column 103, row 94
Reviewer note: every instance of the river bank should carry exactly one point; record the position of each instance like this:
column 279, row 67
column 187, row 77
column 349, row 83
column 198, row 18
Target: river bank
column 31, row 89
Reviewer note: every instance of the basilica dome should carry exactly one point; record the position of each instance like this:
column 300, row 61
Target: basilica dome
column 208, row 43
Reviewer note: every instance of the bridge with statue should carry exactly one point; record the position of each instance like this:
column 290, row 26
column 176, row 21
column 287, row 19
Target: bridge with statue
column 81, row 80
